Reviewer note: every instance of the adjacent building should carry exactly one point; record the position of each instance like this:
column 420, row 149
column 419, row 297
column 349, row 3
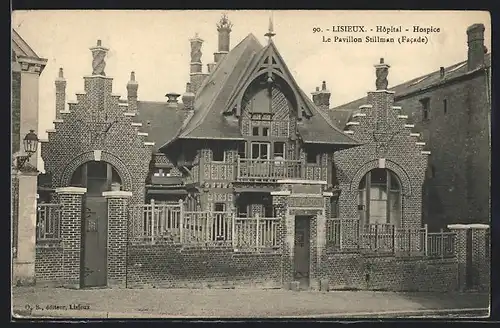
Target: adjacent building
column 450, row 112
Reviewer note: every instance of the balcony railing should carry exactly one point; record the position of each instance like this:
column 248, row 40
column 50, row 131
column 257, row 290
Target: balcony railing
column 268, row 170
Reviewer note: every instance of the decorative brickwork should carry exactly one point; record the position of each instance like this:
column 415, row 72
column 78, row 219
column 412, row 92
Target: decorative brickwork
column 98, row 121
column 71, row 227
column 387, row 143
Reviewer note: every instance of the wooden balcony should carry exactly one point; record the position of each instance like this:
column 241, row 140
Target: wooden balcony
column 268, row 170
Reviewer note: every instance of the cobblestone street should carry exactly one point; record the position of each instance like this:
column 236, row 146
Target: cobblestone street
column 238, row 303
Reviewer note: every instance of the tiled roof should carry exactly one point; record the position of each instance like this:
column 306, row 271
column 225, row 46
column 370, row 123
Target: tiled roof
column 161, row 122
column 421, row 82
column 340, row 117
column 221, row 87
column 208, row 122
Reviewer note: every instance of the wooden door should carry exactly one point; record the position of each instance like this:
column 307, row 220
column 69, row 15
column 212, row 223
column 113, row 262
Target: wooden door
column 302, row 251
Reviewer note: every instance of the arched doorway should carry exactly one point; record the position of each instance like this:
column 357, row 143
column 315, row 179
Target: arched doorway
column 97, row 177
column 380, row 198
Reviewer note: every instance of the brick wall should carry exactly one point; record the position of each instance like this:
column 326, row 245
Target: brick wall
column 459, row 141
column 49, row 264
column 357, row 271
column 177, row 266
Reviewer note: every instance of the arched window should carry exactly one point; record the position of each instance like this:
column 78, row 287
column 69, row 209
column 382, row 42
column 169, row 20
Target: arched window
column 96, row 177
column 380, row 198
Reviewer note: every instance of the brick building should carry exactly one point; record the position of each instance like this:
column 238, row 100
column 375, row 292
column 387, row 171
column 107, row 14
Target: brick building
column 450, row 110
column 26, row 67
column 246, row 181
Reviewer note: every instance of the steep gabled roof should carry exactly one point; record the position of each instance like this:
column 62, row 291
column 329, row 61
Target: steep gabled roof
column 215, row 91
column 422, row 82
column 224, row 86
column 21, row 47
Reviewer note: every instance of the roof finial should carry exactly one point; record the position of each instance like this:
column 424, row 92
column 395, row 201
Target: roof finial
column 270, row 33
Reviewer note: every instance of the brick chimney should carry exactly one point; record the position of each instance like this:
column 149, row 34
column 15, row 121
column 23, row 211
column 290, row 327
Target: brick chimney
column 381, row 99
column 475, row 42
column 188, row 98
column 60, row 93
column 321, row 98
column 196, row 74
column 132, row 87
column 224, row 28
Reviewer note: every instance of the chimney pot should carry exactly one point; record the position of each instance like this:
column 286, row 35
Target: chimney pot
column 99, row 43
column 317, row 89
column 61, row 74
column 323, row 86
column 172, row 99
column 381, row 60
column 441, row 72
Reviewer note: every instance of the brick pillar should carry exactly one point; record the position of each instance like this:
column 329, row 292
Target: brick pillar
column 24, row 263
column 118, row 205
column 287, row 231
column 460, row 252
column 70, row 199
column 480, row 262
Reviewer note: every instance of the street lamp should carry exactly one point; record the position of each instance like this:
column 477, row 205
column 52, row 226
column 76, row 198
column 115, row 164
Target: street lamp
column 30, row 144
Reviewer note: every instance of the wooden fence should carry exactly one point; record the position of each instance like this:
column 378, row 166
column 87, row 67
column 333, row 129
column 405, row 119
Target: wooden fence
column 155, row 223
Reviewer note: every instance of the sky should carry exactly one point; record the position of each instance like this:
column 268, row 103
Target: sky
column 155, row 44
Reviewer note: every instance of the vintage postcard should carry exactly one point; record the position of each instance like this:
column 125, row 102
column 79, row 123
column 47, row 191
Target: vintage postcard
column 250, row 164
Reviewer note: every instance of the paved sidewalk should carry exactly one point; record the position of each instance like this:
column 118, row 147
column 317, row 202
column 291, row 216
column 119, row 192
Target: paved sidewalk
column 240, row 303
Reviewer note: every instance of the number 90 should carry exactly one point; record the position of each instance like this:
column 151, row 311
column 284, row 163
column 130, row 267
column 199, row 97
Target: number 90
column 316, row 29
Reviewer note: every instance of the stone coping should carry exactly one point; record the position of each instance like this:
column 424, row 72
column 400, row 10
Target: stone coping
column 300, row 195
column 71, row 190
column 383, row 91
column 468, row 226
column 281, row 193
column 297, row 181
column 117, row 194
